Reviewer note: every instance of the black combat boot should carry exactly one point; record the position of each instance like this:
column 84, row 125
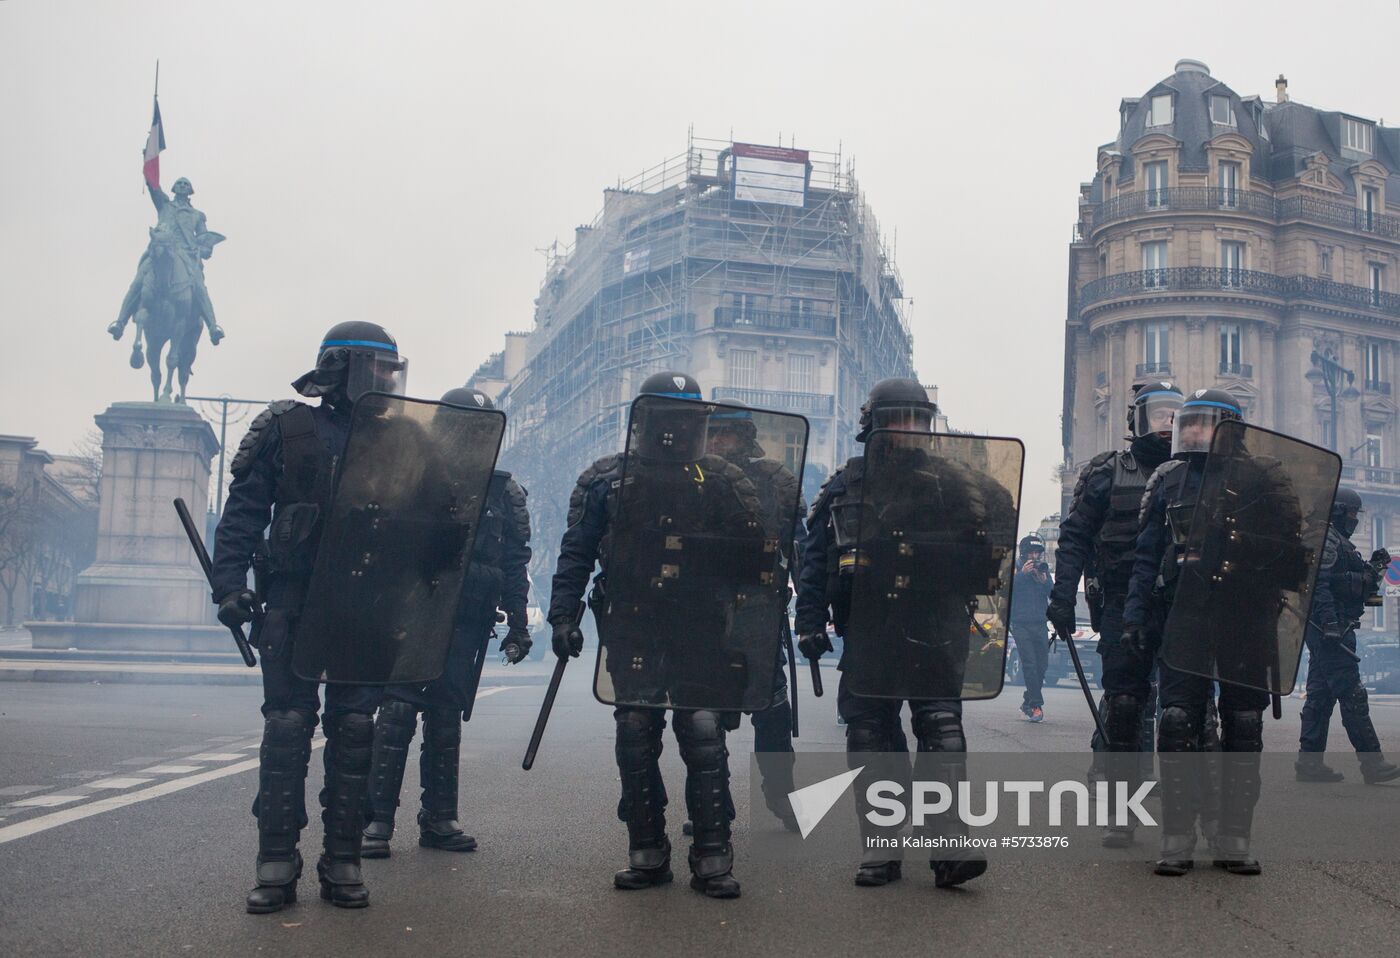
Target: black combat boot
column 643, row 802
column 1311, row 768
column 1375, row 770
column 349, row 750
column 280, row 808
column 393, row 732
column 875, row 874
column 1178, row 744
column 1242, row 736
column 438, row 767
column 942, row 758
column 701, row 738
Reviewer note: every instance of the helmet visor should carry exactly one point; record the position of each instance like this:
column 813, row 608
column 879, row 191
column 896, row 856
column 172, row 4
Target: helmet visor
column 1155, row 413
column 376, row 370
column 906, row 418
column 1194, row 427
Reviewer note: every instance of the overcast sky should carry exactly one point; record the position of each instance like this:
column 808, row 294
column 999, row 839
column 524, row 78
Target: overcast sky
column 403, row 162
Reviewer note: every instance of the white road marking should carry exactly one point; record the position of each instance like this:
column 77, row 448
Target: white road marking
column 42, row 823
column 118, row 783
column 22, row 789
column 213, row 757
column 47, row 801
column 170, row 769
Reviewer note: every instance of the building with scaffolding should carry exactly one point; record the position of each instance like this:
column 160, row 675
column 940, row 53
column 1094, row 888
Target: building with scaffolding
column 760, row 270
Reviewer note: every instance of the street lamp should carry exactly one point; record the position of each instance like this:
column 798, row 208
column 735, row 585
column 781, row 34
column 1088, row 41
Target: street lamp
column 1329, row 374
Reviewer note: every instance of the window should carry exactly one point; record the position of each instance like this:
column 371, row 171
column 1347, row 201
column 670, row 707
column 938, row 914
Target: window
column 747, row 305
column 1374, row 373
column 1155, row 180
column 1154, row 264
column 1221, row 111
column 1373, row 451
column 1154, row 348
column 1231, row 263
column 743, row 368
column 1377, row 283
column 1378, row 539
column 1370, row 200
column 802, row 373
column 1324, row 261
column 1229, row 178
column 1356, row 135
column 1160, row 112
column 1231, row 342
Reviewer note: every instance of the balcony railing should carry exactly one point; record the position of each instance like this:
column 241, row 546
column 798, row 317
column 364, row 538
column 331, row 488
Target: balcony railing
column 728, row 317
column 1370, row 475
column 1242, row 370
column 1204, row 198
column 1154, row 369
column 816, row 404
column 1377, row 386
column 1206, row 278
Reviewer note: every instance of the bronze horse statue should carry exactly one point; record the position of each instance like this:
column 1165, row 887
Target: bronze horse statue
column 167, row 313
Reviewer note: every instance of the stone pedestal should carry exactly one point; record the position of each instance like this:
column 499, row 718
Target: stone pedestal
column 146, row 590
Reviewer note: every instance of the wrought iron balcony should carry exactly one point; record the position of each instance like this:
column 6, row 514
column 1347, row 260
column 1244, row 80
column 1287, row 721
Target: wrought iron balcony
column 1204, row 198
column 728, row 317
column 1241, row 370
column 815, row 404
column 1153, row 369
column 1377, row 386
column 1211, row 278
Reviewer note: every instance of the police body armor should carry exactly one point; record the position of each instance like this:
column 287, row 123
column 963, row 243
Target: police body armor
column 1351, row 578
column 303, row 496
column 1117, row 538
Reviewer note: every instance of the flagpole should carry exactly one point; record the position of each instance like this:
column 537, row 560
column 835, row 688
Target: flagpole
column 157, row 93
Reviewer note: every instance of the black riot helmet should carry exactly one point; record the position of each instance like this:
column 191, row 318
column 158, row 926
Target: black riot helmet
column 1195, row 422
column 1346, row 510
column 896, row 404
column 357, row 357
column 1153, row 410
column 732, row 433
column 468, row 397
column 670, row 427
column 1031, row 544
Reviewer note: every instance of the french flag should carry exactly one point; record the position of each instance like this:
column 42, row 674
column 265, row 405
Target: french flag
column 155, row 142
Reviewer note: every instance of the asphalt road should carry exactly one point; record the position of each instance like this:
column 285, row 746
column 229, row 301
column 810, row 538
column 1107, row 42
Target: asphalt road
column 139, row 842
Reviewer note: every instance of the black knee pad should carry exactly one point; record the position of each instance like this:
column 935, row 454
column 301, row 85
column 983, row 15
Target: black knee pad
column 442, row 728
column 638, row 737
column 939, row 731
column 1242, row 730
column 1178, row 731
column 701, row 738
column 1123, row 721
column 397, row 715
column 866, row 736
column 285, row 728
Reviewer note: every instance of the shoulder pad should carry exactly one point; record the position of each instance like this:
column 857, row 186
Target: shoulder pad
column 257, row 434
column 1155, row 480
column 519, row 511
column 823, row 500
column 1331, row 547
column 607, row 469
column 737, row 479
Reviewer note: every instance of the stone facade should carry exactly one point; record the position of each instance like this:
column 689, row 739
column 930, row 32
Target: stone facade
column 1222, row 241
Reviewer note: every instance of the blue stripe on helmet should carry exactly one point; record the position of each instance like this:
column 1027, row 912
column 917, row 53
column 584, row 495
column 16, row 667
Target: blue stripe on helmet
column 677, row 395
column 1191, row 403
column 1159, row 392
column 360, row 342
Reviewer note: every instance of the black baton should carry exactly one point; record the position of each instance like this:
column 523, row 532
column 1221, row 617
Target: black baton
column 548, row 705
column 1084, row 684
column 202, row 554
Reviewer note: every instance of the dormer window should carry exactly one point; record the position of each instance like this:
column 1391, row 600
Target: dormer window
column 1356, row 135
column 1160, row 111
column 1221, row 112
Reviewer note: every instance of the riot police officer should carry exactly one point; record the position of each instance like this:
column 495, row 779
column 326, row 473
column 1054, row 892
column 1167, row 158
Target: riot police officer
column 283, row 473
column 1346, row 584
column 496, row 578
column 700, row 733
column 824, row 595
column 1158, row 564
column 1098, row 535
column 1028, row 600
column 734, row 437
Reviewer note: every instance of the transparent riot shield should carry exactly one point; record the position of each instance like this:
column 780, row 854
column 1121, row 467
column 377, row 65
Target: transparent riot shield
column 929, row 559
column 396, row 542
column 1251, row 548
column 699, row 551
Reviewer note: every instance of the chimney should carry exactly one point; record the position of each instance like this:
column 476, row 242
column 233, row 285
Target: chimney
column 1281, row 89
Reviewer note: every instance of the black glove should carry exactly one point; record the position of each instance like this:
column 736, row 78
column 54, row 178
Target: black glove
column 813, row 646
column 1380, row 559
column 568, row 640
column 1333, row 631
column 1061, row 616
column 516, row 645
column 1140, row 641
column 236, row 608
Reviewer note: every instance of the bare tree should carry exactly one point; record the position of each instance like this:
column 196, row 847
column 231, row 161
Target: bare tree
column 20, row 524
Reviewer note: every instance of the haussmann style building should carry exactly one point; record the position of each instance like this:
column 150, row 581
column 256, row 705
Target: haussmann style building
column 1246, row 244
